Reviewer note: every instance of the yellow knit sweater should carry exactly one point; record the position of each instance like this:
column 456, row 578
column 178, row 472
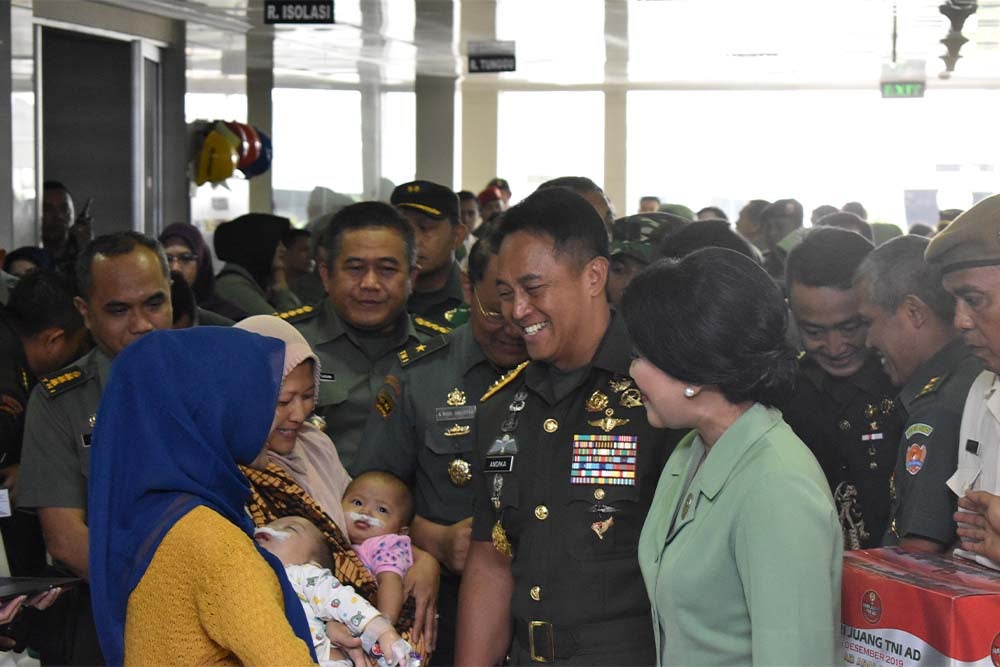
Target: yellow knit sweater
column 208, row 598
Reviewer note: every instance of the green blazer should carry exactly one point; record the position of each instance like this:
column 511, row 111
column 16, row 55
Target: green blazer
column 750, row 572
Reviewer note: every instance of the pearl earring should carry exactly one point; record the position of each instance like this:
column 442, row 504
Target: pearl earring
column 689, row 392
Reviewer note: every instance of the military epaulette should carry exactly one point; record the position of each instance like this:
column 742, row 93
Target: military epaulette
column 429, row 327
column 505, row 380
column 59, row 382
column 421, row 350
column 932, row 385
column 297, row 314
column 457, row 316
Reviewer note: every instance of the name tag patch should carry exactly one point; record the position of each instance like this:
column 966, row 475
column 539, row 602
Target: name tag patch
column 327, row 377
column 604, row 459
column 498, row 463
column 451, row 414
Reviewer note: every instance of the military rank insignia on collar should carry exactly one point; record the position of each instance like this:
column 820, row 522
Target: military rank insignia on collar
column 430, row 327
column 932, row 385
column 421, row 350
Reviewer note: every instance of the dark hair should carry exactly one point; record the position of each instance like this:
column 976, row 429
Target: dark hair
column 479, row 258
column 465, row 195
column 562, row 215
column 754, row 209
column 949, row 214
column 500, row 183
column 368, row 215
column 41, row 259
column 897, row 268
column 114, row 245
column 783, row 214
column 856, row 208
column 42, row 300
column 580, row 184
column 392, row 480
column 49, row 186
column 717, row 213
column 650, row 198
column 713, row 318
column 850, row 222
column 250, row 241
column 920, row 229
column 821, row 212
column 181, row 297
column 189, row 235
column 295, row 233
column 826, row 257
column 704, row 234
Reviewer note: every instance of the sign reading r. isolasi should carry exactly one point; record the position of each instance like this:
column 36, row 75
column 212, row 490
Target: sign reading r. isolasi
column 298, row 11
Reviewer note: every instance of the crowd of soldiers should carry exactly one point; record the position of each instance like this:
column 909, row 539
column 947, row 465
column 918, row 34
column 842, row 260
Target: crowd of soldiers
column 471, row 372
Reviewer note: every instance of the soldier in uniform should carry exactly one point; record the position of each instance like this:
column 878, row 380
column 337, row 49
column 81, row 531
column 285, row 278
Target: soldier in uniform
column 124, row 292
column 967, row 254
column 567, row 462
column 427, row 436
column 844, row 406
column 360, row 327
column 433, row 211
column 909, row 317
column 40, row 331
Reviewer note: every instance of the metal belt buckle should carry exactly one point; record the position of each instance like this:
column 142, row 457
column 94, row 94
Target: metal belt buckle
column 532, row 626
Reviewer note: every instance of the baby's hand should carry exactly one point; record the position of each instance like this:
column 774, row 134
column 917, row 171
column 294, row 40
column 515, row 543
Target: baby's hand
column 396, row 650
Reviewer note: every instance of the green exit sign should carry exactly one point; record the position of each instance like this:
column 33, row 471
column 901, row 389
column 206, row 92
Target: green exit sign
column 902, row 89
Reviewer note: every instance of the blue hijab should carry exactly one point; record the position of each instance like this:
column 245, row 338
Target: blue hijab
column 181, row 410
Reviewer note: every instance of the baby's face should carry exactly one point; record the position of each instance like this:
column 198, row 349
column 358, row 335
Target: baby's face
column 373, row 508
column 292, row 539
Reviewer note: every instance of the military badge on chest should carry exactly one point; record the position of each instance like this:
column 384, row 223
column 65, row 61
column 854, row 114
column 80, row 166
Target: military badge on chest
column 499, row 461
column 453, row 414
column 872, row 413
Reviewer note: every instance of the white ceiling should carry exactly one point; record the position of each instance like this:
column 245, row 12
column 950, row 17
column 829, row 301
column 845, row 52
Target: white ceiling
column 591, row 43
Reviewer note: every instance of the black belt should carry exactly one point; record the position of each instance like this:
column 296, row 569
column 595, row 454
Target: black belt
column 548, row 641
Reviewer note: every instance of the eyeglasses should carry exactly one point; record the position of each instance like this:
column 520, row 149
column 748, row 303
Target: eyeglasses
column 491, row 315
column 183, row 258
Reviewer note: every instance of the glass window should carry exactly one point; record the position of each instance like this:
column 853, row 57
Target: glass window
column 542, row 135
column 723, row 148
column 317, row 142
column 399, row 137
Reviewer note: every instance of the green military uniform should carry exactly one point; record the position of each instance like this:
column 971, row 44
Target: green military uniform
column 308, row 288
column 203, row 318
column 934, row 397
column 235, row 285
column 852, row 425
column 54, row 469
column 353, row 368
column 566, row 472
column 435, row 306
column 22, row 536
column 423, row 430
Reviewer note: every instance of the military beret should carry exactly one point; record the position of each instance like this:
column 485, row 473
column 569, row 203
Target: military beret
column 429, row 198
column 972, row 240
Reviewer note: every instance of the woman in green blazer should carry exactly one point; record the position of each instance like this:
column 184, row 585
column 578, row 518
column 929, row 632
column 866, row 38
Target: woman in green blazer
column 741, row 550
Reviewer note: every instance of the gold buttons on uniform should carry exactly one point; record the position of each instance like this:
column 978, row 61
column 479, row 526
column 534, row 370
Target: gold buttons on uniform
column 541, row 512
column 535, row 593
column 598, row 493
column 550, row 425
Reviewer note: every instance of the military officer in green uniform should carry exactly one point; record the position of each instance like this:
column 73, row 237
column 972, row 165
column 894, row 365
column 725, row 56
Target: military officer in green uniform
column 423, row 428
column 909, row 317
column 433, row 212
column 40, row 331
column 123, row 280
column 844, row 405
column 360, row 327
column 567, row 463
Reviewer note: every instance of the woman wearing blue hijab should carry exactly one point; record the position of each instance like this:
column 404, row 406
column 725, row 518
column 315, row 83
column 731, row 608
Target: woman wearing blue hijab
column 175, row 575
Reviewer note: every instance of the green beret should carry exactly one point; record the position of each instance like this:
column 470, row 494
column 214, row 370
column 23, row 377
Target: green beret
column 972, row 240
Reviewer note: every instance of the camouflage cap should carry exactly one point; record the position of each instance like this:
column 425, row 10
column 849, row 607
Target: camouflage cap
column 637, row 236
column 972, row 240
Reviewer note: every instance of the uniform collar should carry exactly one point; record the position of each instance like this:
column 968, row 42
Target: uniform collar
column 940, row 365
column 230, row 267
column 730, row 449
column 332, row 327
column 452, row 290
column 469, row 351
column 613, row 354
column 99, row 363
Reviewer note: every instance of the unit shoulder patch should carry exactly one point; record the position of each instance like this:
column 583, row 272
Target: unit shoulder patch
column 59, row 382
column 505, row 380
column 427, row 326
column 420, row 350
column 298, row 314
